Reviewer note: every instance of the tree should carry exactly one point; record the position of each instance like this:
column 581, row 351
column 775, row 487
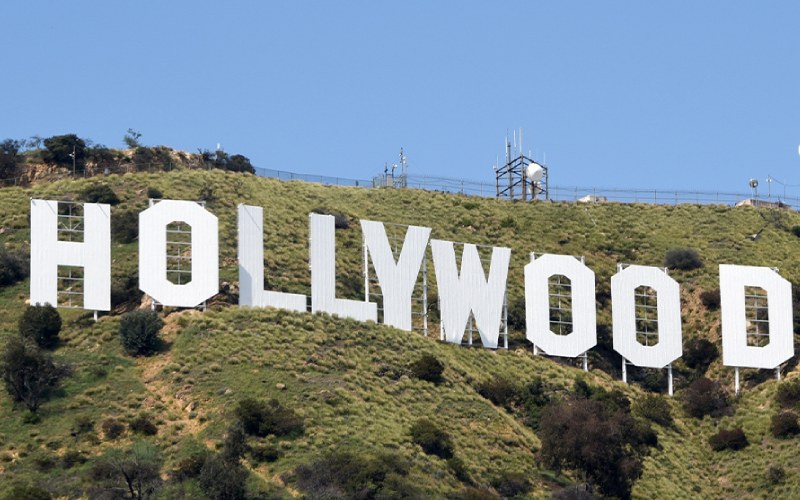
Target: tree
column 100, row 193
column 705, row 397
column 13, row 267
column 432, row 439
column 138, row 331
column 59, row 150
column 9, row 158
column 428, row 368
column 607, row 446
column 29, row 373
column 40, row 323
column 240, row 163
column 262, row 418
column 131, row 139
column 134, row 473
column 221, row 479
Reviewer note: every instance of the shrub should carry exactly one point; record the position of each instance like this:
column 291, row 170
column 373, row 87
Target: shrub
column 100, row 193
column 512, row 484
column 733, row 439
column 9, row 159
column 136, row 471
column 138, row 332
column 796, row 231
column 27, row 492
column 29, row 373
column 784, row 424
column 143, row 424
column 125, row 289
column 14, row 267
column 432, row 439
column 428, row 368
column 262, row 418
column 684, row 259
column 341, row 221
column 344, row 474
column 59, row 149
column 654, row 408
column 710, row 299
column 240, row 163
column 606, row 445
column 500, row 391
column 82, row 425
column 192, row 465
column 40, row 324
column 101, row 157
column 112, row 428
column 125, row 226
column 705, row 397
column 222, row 480
column 234, row 446
column 699, row 354
column 788, row 394
column 265, row 453
column 776, row 474
column 154, row 193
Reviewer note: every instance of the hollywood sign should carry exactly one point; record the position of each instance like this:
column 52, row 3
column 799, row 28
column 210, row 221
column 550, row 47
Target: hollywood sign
column 462, row 292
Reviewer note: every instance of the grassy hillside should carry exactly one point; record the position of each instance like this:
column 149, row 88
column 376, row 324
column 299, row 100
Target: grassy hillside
column 349, row 380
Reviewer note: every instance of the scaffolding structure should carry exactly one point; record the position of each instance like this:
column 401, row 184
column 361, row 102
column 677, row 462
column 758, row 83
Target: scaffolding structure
column 512, row 181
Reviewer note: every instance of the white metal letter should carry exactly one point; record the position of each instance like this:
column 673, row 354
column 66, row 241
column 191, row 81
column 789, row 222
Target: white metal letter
column 396, row 280
column 251, row 265
column 153, row 253
column 94, row 254
column 470, row 291
column 537, row 305
column 735, row 351
column 623, row 286
column 323, row 274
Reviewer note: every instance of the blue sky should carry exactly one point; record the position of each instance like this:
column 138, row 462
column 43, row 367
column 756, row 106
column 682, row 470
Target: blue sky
column 669, row 95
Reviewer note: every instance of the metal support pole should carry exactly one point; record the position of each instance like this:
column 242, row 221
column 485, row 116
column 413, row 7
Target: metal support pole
column 535, row 350
column 669, row 379
column 778, row 373
column 625, row 370
column 95, row 316
column 425, row 294
column 366, row 273
column 585, row 361
column 470, row 328
column 736, row 382
column 505, row 321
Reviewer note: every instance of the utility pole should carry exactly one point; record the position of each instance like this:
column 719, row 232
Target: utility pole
column 73, row 159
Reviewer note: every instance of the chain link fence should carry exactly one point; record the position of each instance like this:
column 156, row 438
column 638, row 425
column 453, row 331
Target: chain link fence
column 460, row 186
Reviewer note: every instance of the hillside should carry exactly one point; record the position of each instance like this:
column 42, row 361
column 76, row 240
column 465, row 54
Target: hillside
column 350, row 382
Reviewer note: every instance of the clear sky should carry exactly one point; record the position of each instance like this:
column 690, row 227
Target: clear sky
column 672, row 95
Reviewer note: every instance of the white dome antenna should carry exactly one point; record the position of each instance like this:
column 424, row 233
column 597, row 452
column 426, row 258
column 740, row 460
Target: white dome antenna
column 534, row 171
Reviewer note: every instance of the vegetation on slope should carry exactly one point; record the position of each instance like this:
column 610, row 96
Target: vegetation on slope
column 353, row 384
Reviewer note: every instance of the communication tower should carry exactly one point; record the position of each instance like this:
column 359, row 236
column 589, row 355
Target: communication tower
column 390, row 177
column 521, row 178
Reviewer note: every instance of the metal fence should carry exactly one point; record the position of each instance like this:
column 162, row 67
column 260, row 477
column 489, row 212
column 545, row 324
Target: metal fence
column 466, row 187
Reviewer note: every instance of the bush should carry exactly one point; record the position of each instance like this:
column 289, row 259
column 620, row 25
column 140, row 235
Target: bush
column 265, row 453
column 125, row 289
column 192, row 465
column 710, row 299
column 344, row 474
column 500, row 391
column 341, row 221
column 705, row 397
column 776, row 474
column 9, row 159
column 784, row 424
column 40, row 324
column 136, row 471
column 261, row 418
column 154, row 193
column 654, row 408
column 101, row 157
column 796, row 231
column 512, row 484
column 100, row 193
column 788, row 394
column 14, row 267
column 606, row 444
column 223, row 480
column 29, row 373
column 138, row 332
column 143, row 424
column 59, row 149
column 27, row 492
column 432, row 439
column 699, row 354
column 684, row 259
column 125, row 226
column 112, row 428
column 733, row 439
column 428, row 368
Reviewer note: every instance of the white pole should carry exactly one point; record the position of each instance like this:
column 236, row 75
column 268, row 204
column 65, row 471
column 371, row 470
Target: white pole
column 625, row 370
column 736, row 383
column 669, row 378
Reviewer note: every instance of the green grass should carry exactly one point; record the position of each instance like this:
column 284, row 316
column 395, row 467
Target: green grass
column 331, row 368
